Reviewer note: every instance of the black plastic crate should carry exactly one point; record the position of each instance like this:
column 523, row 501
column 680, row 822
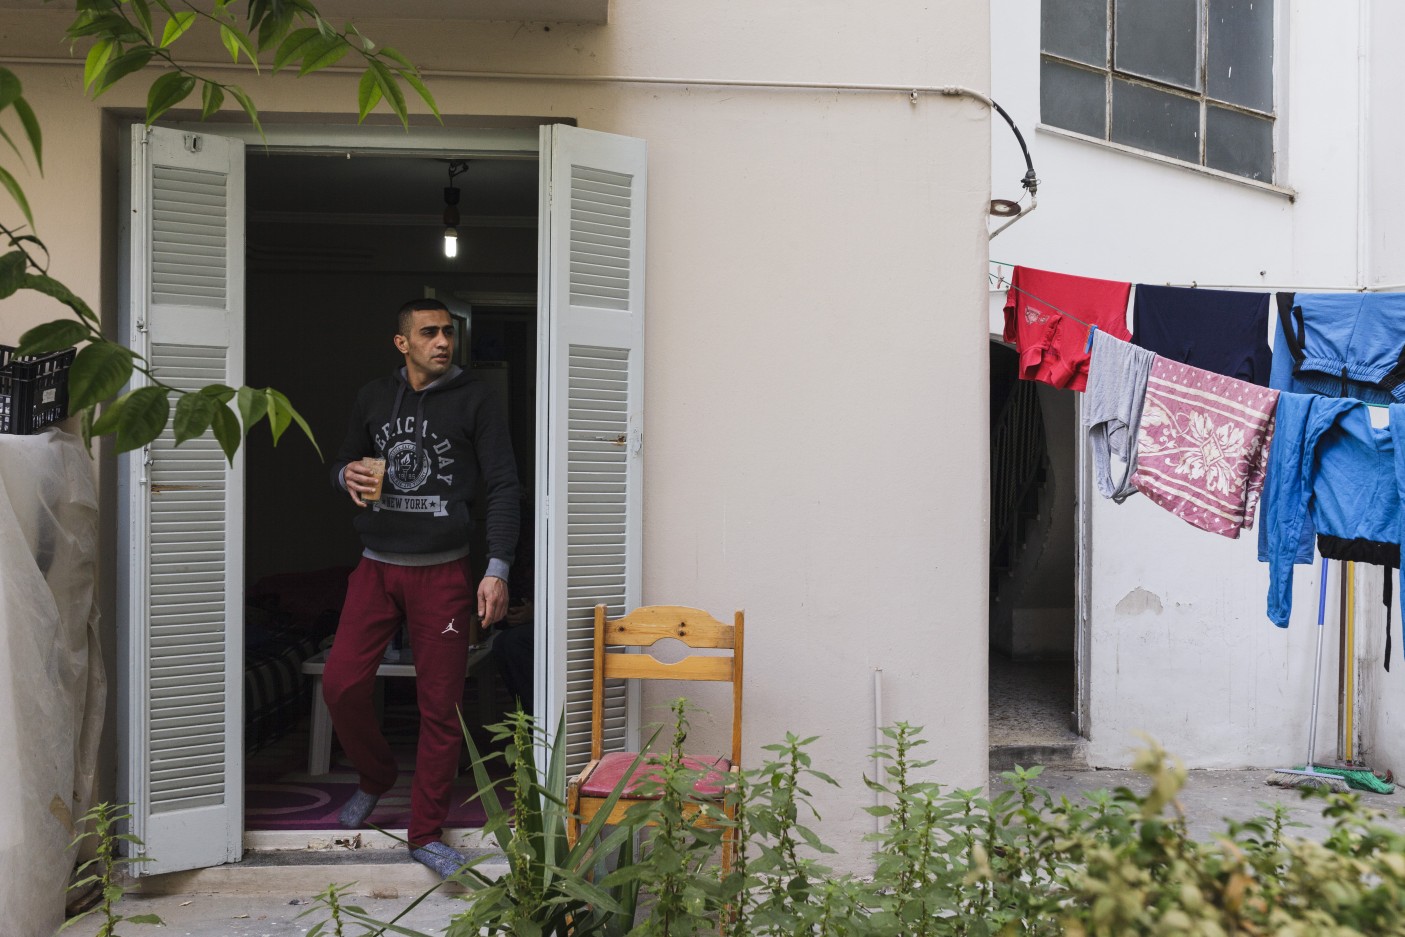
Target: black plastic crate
column 33, row 390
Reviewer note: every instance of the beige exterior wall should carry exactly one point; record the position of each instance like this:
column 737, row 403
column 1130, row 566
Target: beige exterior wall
column 815, row 434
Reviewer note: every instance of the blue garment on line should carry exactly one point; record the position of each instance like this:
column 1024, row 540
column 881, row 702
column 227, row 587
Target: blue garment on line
column 1329, row 466
column 1223, row 331
column 1281, row 379
column 1341, row 345
column 1281, row 374
column 1363, row 333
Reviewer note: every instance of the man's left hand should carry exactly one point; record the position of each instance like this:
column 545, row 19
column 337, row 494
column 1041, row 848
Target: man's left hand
column 492, row 600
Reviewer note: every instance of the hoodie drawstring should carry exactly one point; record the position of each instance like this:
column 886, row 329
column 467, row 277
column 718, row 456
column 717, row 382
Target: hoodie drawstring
column 419, row 418
column 394, row 412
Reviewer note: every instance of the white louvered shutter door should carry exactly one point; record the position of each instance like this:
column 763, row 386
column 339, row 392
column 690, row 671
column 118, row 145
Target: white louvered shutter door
column 182, row 579
column 591, row 267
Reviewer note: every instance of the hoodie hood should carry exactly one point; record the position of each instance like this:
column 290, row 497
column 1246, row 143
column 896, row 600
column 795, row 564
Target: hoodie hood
column 447, row 381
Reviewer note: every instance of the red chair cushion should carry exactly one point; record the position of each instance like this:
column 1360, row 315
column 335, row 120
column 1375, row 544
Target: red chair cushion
column 612, row 767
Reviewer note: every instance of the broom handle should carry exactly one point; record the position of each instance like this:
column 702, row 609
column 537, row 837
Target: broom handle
column 1350, row 654
column 1317, row 667
column 1342, row 625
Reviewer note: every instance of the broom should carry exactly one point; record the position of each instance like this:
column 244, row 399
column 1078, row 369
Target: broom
column 1358, row 776
column 1310, row 776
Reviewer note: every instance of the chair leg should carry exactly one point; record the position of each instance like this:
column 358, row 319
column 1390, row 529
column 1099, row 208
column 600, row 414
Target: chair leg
column 319, row 743
column 728, row 839
column 573, row 816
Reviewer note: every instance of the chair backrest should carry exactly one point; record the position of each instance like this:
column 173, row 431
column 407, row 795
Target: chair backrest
column 645, row 626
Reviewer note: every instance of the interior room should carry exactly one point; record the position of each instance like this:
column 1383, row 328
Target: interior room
column 335, row 244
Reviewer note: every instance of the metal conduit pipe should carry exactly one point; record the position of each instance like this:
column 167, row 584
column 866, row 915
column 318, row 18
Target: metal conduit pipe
column 1030, row 181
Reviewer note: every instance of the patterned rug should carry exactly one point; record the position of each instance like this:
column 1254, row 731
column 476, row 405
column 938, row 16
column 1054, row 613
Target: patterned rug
column 279, row 794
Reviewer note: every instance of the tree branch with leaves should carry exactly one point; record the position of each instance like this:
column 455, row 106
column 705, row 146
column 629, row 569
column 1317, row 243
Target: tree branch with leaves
column 126, row 39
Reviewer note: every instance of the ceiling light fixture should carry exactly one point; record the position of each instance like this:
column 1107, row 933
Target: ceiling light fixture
column 451, row 209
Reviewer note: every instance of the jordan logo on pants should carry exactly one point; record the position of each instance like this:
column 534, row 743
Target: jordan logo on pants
column 450, row 629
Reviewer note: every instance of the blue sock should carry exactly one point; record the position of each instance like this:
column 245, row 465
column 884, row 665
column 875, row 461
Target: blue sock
column 355, row 811
column 439, row 857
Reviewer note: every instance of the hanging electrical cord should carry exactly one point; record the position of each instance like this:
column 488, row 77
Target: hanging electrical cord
column 1006, row 208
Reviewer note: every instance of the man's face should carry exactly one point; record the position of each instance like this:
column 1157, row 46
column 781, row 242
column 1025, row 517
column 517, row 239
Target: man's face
column 429, row 348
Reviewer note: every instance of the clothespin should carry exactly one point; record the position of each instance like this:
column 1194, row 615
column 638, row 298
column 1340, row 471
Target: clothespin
column 1089, row 347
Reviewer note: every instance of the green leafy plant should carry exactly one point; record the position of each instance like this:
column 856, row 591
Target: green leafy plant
column 101, row 824
column 128, row 35
column 551, row 887
column 952, row 863
column 331, row 901
column 785, row 887
column 684, row 833
column 129, row 38
column 595, row 887
column 909, row 855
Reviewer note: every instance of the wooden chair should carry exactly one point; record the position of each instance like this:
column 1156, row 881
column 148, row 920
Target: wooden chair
column 587, row 792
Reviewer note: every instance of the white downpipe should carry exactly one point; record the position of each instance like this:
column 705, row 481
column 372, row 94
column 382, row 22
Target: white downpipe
column 1363, row 90
column 877, row 741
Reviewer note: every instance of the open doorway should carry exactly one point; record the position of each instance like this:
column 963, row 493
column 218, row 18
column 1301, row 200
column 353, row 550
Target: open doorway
column 335, row 244
column 1033, row 569
column 181, row 579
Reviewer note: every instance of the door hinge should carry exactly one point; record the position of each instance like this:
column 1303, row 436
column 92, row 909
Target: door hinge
column 636, row 441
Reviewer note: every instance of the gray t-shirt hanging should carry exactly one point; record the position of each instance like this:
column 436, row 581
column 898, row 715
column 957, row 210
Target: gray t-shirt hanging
column 1112, row 410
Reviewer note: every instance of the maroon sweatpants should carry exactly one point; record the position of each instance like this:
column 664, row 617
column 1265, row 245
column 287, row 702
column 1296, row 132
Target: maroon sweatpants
column 435, row 601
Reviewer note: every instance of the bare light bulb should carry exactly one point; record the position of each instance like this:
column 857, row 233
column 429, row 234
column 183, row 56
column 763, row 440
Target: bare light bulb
column 451, row 242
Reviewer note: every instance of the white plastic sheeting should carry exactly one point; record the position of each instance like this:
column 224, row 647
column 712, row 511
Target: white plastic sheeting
column 52, row 684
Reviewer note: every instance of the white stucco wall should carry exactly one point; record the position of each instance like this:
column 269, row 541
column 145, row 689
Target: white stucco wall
column 815, row 346
column 1180, row 646
column 1381, row 695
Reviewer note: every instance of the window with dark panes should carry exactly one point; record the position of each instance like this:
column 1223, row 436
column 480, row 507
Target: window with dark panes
column 1188, row 79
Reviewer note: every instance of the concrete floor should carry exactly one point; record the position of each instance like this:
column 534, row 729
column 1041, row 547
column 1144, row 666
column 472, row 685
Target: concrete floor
column 262, row 916
column 1031, row 702
column 1031, row 723
column 1210, row 796
column 1031, row 714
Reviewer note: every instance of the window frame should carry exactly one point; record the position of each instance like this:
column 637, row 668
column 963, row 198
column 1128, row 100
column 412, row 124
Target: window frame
column 1202, row 98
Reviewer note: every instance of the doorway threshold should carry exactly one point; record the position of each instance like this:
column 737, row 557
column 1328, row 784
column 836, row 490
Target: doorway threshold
column 339, row 840
column 298, row 864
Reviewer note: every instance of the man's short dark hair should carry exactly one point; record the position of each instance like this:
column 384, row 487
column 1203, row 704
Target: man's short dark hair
column 407, row 311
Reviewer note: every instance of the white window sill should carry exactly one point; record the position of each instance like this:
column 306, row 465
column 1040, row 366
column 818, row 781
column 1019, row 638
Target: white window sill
column 1289, row 193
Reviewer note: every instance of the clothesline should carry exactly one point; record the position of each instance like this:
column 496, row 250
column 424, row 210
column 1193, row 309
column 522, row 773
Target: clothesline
column 1000, row 280
column 1237, row 287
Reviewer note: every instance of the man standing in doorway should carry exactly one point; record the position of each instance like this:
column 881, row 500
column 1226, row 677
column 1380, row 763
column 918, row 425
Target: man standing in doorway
column 439, row 431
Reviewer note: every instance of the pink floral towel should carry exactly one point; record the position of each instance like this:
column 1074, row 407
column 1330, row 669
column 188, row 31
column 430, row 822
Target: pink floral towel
column 1203, row 446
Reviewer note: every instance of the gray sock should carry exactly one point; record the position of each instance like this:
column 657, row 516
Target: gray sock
column 355, row 811
column 439, row 857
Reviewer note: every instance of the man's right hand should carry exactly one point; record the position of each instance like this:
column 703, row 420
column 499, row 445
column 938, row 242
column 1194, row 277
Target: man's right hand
column 359, row 480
